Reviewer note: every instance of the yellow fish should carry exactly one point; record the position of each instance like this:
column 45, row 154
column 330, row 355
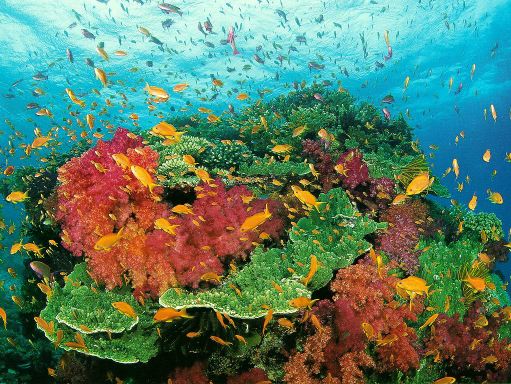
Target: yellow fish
column 407, row 81
column 164, row 225
column 156, row 92
column 456, row 167
column 445, row 380
column 121, row 160
column 419, row 184
column 306, row 197
column 473, row 202
column 242, row 96
column 282, row 148
column 302, row 302
column 180, row 87
column 102, row 53
column 3, row 315
column 90, row 120
column 477, row 283
column 495, row 197
column 144, row 177
column 254, row 221
column 73, row 97
column 125, row 309
column 368, row 330
column 106, row 242
column 16, row 197
column 182, row 209
column 493, row 112
column 217, row 82
column 429, row 321
column 312, row 270
column 414, row 284
column 101, row 76
column 220, row 341
column 170, row 314
column 299, row 130
column 472, row 71
column 487, row 156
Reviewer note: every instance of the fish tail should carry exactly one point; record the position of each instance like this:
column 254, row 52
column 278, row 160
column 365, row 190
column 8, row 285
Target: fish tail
column 317, row 204
column 152, row 186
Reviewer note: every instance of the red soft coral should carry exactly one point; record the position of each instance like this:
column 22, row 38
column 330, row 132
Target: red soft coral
column 406, row 223
column 253, row 376
column 360, row 296
column 97, row 197
column 189, row 375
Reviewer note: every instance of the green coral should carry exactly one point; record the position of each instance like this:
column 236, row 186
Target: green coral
column 224, row 155
column 338, row 226
column 82, row 306
column 441, row 264
column 263, row 167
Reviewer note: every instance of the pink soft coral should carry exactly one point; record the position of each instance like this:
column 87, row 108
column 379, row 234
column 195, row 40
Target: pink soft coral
column 211, row 237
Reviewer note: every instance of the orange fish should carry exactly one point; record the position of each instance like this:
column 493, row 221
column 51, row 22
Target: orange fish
column 302, row 302
column 180, row 87
column 429, row 321
column 3, row 315
column 46, row 327
column 445, row 380
column 125, row 309
column 170, row 314
column 79, row 344
column 267, row 319
column 220, row 341
column 312, row 270
column 254, row 221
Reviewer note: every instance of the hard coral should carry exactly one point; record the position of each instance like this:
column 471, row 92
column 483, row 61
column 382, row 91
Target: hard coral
column 97, row 197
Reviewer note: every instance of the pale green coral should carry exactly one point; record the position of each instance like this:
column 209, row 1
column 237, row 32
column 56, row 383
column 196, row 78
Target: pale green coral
column 83, row 307
column 263, row 167
column 338, row 227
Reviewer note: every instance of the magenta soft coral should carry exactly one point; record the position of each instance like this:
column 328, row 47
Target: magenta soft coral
column 406, row 222
column 355, row 169
column 211, row 237
column 470, row 347
column 360, row 296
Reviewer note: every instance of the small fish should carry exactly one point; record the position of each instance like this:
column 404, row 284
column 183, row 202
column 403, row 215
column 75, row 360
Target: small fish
column 101, row 76
column 312, row 270
column 387, row 340
column 406, row 82
column 182, row 209
column 419, row 184
column 157, row 92
column 306, row 197
column 389, row 99
column 487, row 156
column 125, row 309
column 493, row 112
column 144, row 177
column 87, row 34
column 164, row 225
column 445, row 380
column 3, row 316
column 252, row 222
column 429, row 321
column 368, row 330
column 477, row 283
column 473, row 202
column 286, row 323
column 267, row 319
column 180, row 87
column 495, row 197
column 211, row 276
column 106, row 242
column 122, row 160
column 220, row 341
column 414, row 284
column 17, row 197
column 302, row 302
column 170, row 314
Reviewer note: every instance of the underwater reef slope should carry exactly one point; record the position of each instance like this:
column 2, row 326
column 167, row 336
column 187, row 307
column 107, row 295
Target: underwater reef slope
column 292, row 242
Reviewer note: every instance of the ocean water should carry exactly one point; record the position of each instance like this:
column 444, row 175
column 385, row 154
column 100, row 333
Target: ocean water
column 450, row 65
